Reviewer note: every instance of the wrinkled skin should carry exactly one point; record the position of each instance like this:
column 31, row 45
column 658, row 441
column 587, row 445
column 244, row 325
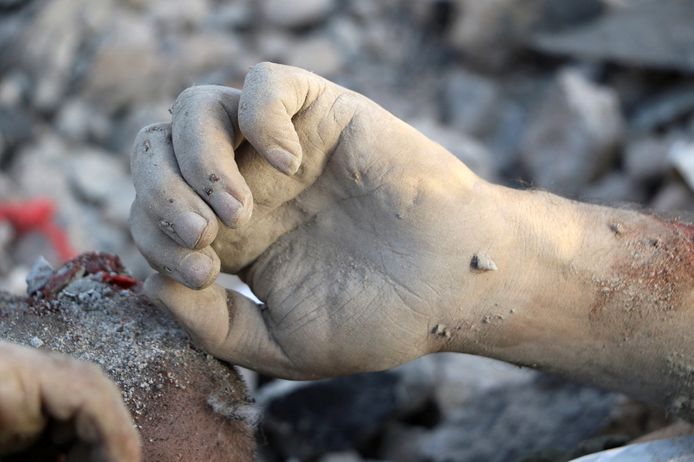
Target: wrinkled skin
column 364, row 209
column 364, row 239
column 72, row 400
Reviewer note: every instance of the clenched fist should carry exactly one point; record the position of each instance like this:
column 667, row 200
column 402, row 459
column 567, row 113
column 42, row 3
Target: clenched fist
column 351, row 226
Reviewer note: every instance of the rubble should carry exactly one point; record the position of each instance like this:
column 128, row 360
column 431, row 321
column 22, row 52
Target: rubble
column 90, row 309
column 574, row 135
column 633, row 33
column 524, row 92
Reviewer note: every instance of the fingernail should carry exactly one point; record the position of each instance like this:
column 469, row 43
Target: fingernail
column 189, row 227
column 227, row 207
column 196, row 269
column 284, row 161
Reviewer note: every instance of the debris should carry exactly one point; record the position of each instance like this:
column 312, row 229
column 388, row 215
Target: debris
column 482, row 262
column 441, row 330
column 682, row 158
column 296, row 14
column 632, row 34
column 574, row 135
column 38, row 277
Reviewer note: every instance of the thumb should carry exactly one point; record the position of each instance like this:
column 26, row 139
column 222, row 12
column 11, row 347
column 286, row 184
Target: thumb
column 224, row 323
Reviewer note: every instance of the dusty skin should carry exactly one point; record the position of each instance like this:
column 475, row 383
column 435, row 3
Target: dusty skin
column 371, row 245
column 49, row 395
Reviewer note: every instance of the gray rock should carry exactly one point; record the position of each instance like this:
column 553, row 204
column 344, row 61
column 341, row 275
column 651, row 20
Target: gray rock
column 492, row 31
column 573, row 137
column 670, row 450
column 640, row 33
column 81, row 121
column 664, row 108
column 318, row 54
column 459, row 378
column 470, row 102
column 614, row 187
column 298, row 13
column 674, row 196
column 357, row 407
column 682, row 158
column 545, row 418
column 41, row 272
column 647, row 158
column 471, row 152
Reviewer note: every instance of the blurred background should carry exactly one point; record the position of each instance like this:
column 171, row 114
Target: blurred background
column 592, row 99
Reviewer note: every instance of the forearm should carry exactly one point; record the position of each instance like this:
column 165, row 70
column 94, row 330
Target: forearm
column 597, row 294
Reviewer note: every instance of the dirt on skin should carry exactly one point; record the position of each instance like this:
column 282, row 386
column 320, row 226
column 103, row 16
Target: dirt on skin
column 656, row 273
column 187, row 405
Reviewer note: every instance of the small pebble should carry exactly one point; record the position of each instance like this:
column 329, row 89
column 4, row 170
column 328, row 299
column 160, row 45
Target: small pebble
column 482, row 262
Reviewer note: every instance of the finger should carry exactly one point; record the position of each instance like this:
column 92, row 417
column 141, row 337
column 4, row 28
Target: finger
column 205, row 133
column 194, row 268
column 272, row 94
column 21, row 419
column 224, row 323
column 178, row 211
column 73, row 390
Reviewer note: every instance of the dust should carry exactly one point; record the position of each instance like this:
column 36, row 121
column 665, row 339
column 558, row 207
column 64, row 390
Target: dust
column 165, row 382
column 652, row 276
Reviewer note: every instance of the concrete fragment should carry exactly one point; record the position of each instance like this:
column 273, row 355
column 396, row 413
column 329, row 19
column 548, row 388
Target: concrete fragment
column 647, row 158
column 469, row 102
column 481, row 261
column 573, row 137
column 682, row 158
column 633, row 33
column 296, row 14
column 317, row 54
column 40, row 273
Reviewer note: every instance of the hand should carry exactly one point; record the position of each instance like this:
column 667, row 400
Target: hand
column 50, row 401
column 352, row 227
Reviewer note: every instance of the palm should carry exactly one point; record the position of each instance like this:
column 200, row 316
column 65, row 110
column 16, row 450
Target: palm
column 349, row 264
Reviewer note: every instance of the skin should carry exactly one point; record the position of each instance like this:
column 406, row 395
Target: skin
column 371, row 245
column 51, row 399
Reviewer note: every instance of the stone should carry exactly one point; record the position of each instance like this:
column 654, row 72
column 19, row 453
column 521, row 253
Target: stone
column 80, row 121
column 471, row 152
column 469, row 102
column 669, row 450
column 357, row 407
column 664, row 108
column 317, row 54
column 458, row 378
column 573, row 137
column 646, row 159
column 673, row 196
column 296, row 14
column 346, row 456
column 543, row 419
column 492, row 31
column 615, row 187
column 40, row 274
column 682, row 158
column 631, row 34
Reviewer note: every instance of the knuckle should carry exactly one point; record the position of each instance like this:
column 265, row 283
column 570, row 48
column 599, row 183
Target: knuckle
column 146, row 140
column 192, row 96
